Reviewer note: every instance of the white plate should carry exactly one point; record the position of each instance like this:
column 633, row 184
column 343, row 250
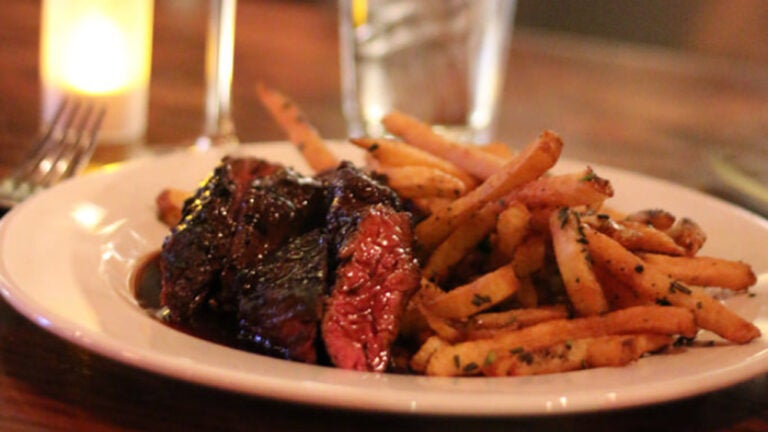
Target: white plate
column 68, row 255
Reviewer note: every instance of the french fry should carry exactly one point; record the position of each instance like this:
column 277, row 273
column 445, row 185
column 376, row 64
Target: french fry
column 526, row 295
column 618, row 294
column 414, row 322
column 499, row 149
column 419, row 360
column 471, row 159
column 688, row 234
column 422, row 182
column 636, row 236
column 442, row 327
column 170, row 203
column 606, row 351
column 484, row 292
column 302, row 134
column 574, row 263
column 529, row 164
column 511, row 228
column 429, row 205
column 467, row 358
column 657, row 218
column 464, row 239
column 656, row 286
column 567, row 190
column 529, row 255
column 396, row 153
column 703, row 271
column 489, row 324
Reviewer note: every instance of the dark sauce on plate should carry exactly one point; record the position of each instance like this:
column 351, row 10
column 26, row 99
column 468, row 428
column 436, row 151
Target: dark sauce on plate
column 206, row 324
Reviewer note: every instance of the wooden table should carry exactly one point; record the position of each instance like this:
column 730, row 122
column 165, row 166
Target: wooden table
column 629, row 106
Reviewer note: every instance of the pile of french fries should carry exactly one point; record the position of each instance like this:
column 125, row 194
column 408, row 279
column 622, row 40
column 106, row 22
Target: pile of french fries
column 525, row 272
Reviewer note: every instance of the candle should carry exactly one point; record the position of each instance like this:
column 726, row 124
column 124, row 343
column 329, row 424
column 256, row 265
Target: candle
column 99, row 50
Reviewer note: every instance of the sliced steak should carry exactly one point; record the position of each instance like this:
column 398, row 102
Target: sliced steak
column 272, row 211
column 193, row 254
column 375, row 278
column 349, row 191
column 281, row 300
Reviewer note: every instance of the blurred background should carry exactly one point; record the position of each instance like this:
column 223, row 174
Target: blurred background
column 736, row 29
column 600, row 72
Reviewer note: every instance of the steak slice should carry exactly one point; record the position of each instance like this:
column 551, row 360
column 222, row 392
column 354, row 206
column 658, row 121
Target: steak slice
column 375, row 278
column 350, row 190
column 280, row 300
column 193, row 254
column 272, row 211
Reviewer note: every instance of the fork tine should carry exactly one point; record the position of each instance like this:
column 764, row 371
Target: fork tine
column 40, row 149
column 86, row 140
column 56, row 157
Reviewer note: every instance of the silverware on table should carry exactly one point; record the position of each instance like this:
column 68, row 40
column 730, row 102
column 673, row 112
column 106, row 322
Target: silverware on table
column 63, row 150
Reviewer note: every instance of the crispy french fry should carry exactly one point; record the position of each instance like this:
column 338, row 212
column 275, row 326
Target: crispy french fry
column 170, row 203
column 688, row 234
column 396, row 153
column 636, row 236
column 302, row 134
column 441, row 326
column 567, row 190
column 574, row 263
column 657, row 218
column 704, row 271
column 422, row 182
column 414, row 323
column 467, row 358
column 431, row 204
column 511, row 228
column 519, row 317
column 419, row 360
column 618, row 294
column 606, row 351
column 499, row 149
column 464, row 239
column 656, row 286
column 529, row 164
column 489, row 324
column 419, row 134
column 529, row 255
column 526, row 295
column 484, row 292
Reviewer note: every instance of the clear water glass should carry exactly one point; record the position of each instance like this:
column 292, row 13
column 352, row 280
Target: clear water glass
column 441, row 61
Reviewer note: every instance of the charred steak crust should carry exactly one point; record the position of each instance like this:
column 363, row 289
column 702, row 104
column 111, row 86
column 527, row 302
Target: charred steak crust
column 349, row 191
column 272, row 211
column 376, row 277
column 281, row 300
column 193, row 254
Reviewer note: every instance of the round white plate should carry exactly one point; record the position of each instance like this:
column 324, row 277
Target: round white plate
column 68, row 255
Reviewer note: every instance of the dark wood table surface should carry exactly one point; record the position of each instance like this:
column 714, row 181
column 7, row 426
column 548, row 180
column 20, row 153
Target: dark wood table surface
column 640, row 108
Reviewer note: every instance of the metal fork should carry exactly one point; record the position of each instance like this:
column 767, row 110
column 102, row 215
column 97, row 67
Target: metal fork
column 61, row 151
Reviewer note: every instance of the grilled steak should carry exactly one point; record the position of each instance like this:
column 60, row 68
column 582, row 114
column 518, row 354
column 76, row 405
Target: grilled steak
column 194, row 253
column 272, row 211
column 281, row 300
column 375, row 274
column 298, row 263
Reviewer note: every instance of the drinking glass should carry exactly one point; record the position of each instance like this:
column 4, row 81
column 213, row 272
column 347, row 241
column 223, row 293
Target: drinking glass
column 219, row 129
column 441, row 61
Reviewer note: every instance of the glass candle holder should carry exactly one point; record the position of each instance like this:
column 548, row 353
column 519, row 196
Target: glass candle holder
column 99, row 50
